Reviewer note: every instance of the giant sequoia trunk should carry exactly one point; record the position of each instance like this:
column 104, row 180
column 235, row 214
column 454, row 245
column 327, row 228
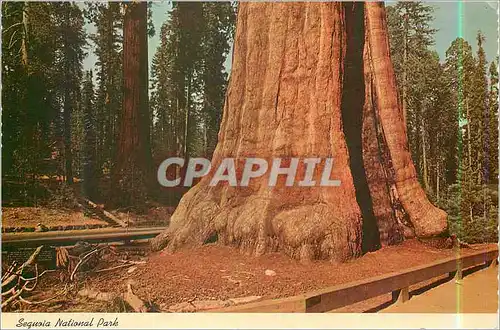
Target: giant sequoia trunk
column 132, row 172
column 311, row 80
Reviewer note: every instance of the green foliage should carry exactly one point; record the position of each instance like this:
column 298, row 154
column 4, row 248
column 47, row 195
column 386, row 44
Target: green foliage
column 472, row 212
column 492, row 120
column 27, row 87
column 452, row 114
column 418, row 74
column 410, row 34
column 63, row 198
column 189, row 80
column 108, row 19
column 41, row 82
column 89, row 155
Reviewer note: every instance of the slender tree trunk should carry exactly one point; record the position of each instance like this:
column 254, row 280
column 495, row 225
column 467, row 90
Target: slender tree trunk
column 205, row 138
column 187, row 114
column 89, row 164
column 303, row 77
column 178, row 141
column 469, row 149
column 68, row 155
column 24, row 43
column 437, row 181
column 67, row 108
column 424, row 157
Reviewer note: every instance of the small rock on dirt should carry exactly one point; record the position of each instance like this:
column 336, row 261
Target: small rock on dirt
column 92, row 294
column 270, row 272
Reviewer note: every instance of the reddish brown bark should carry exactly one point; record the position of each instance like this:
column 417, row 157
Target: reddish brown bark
column 132, row 173
column 426, row 219
column 310, row 80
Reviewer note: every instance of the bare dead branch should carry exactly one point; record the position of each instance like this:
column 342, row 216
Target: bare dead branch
column 19, row 272
column 12, row 298
column 11, row 43
column 11, row 291
column 41, row 274
column 104, row 212
column 111, row 268
column 25, row 286
column 42, row 301
column 83, row 260
column 9, row 270
column 12, row 26
column 133, row 262
column 135, row 302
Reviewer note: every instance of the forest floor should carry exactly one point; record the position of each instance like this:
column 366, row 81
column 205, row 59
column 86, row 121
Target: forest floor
column 27, row 218
column 214, row 276
column 22, row 219
column 67, row 209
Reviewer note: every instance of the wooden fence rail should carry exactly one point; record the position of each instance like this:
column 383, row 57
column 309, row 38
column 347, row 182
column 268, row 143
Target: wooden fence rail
column 72, row 236
column 397, row 283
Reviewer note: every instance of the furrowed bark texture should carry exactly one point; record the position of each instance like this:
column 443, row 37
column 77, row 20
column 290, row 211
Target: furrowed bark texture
column 310, row 80
column 132, row 173
column 426, row 219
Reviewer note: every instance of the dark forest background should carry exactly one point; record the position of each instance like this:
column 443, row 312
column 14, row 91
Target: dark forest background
column 100, row 134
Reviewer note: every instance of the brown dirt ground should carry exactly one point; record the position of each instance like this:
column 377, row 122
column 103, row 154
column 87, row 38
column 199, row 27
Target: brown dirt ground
column 14, row 218
column 29, row 217
column 157, row 215
column 214, row 272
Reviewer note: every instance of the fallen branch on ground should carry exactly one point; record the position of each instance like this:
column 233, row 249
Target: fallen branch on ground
column 19, row 272
column 9, row 270
column 43, row 301
column 84, row 259
column 111, row 268
column 135, row 302
column 105, row 213
column 12, row 298
column 15, row 284
column 132, row 262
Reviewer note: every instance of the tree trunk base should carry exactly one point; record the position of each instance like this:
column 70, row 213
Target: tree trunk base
column 311, row 80
column 256, row 228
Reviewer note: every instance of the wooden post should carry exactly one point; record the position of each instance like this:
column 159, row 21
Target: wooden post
column 491, row 263
column 401, row 296
column 457, row 274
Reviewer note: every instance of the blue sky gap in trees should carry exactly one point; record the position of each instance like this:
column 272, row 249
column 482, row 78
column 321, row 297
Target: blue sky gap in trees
column 452, row 19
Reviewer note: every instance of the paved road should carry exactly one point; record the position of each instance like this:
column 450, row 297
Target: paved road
column 476, row 293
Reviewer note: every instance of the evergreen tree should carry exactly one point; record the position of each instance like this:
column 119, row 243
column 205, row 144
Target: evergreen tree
column 492, row 142
column 41, row 83
column 14, row 88
column 89, row 119
column 479, row 116
column 410, row 36
column 217, row 34
column 189, row 78
column 108, row 19
column 71, row 40
column 458, row 70
column 410, row 39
